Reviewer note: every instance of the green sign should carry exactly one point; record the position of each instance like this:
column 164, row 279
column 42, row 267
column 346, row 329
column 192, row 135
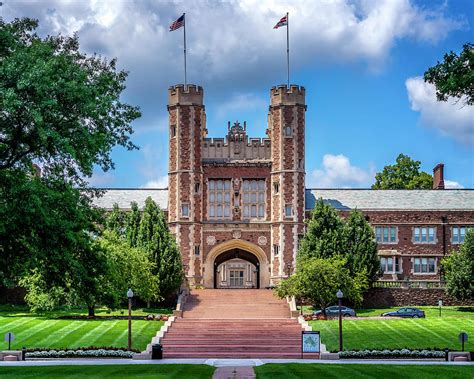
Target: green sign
column 310, row 342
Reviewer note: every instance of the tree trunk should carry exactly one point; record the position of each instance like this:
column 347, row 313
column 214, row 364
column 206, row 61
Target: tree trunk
column 148, row 304
column 91, row 310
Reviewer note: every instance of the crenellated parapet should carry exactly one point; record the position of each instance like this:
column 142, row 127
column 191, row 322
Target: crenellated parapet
column 185, row 95
column 284, row 95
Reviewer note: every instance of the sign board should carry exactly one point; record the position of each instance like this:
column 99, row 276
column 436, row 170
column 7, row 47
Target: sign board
column 9, row 337
column 440, row 303
column 463, row 337
column 310, row 342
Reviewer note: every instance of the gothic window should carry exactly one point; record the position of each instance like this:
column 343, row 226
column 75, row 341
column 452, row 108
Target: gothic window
column 185, row 210
column 288, row 131
column 219, row 199
column 173, row 131
column 254, row 198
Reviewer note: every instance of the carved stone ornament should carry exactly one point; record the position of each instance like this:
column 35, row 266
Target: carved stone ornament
column 262, row 240
column 211, row 240
column 237, row 234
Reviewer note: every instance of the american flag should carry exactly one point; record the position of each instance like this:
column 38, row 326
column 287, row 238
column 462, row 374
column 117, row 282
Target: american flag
column 282, row 22
column 177, row 24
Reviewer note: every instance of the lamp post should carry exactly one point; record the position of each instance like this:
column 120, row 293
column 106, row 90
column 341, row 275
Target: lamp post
column 130, row 296
column 339, row 295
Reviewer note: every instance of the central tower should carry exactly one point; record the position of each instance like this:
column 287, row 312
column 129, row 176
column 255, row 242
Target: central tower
column 236, row 204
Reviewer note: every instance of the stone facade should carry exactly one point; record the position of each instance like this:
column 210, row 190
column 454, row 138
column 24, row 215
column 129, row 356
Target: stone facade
column 260, row 185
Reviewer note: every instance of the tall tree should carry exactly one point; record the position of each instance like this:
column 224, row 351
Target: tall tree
column 404, row 174
column 454, row 76
column 116, row 221
column 360, row 246
column 133, row 224
column 155, row 237
column 459, row 270
column 324, row 233
column 61, row 110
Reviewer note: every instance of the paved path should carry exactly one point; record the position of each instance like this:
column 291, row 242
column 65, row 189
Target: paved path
column 234, row 372
column 224, row 362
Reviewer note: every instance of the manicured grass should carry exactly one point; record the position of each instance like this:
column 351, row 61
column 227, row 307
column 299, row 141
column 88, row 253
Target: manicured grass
column 294, row 370
column 41, row 332
column 397, row 333
column 11, row 310
column 115, row 372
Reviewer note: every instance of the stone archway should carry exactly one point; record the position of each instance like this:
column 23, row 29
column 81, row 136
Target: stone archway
column 246, row 251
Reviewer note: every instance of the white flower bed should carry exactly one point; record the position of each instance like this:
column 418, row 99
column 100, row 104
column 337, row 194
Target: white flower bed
column 99, row 353
column 403, row 353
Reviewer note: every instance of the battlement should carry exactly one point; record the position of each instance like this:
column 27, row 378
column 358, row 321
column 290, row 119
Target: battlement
column 247, row 149
column 185, row 95
column 284, row 95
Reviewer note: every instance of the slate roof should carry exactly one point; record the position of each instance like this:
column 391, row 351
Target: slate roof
column 366, row 199
column 342, row 199
column 124, row 196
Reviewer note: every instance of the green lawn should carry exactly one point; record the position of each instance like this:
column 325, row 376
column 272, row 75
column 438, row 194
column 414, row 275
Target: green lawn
column 47, row 331
column 390, row 333
column 115, row 372
column 293, row 370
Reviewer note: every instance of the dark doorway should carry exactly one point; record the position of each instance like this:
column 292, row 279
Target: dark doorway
column 240, row 254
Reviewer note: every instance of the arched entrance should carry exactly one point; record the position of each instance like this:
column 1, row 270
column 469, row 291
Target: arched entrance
column 236, row 268
column 237, row 255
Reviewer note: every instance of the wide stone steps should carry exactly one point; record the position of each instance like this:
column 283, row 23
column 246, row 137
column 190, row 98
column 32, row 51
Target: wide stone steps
column 233, row 324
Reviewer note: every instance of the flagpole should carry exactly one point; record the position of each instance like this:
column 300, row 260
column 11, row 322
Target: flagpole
column 184, row 35
column 288, row 47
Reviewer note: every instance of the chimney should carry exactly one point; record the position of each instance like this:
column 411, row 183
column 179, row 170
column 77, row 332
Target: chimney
column 438, row 177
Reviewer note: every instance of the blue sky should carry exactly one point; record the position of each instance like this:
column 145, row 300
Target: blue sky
column 360, row 61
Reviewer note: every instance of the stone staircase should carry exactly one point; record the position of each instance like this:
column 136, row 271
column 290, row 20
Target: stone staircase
column 234, row 323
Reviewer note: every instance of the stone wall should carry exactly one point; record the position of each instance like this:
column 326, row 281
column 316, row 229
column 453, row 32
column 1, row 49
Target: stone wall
column 385, row 297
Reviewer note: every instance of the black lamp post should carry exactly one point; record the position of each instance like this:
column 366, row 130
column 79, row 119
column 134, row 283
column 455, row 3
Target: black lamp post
column 339, row 295
column 130, row 296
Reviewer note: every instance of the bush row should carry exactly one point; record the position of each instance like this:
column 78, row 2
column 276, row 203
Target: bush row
column 98, row 353
column 403, row 353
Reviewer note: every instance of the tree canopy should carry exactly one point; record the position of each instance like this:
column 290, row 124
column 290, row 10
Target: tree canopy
column 454, row 76
column 404, row 174
column 459, row 270
column 60, row 112
column 328, row 235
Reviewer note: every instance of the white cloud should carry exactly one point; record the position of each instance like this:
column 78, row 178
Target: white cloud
column 338, row 172
column 452, row 118
column 241, row 103
column 451, row 184
column 101, row 179
column 161, row 182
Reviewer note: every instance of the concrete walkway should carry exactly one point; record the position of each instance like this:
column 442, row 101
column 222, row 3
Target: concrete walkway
column 225, row 362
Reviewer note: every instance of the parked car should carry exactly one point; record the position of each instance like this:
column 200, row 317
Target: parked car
column 333, row 311
column 405, row 312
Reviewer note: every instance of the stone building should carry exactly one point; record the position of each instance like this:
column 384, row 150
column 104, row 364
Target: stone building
column 237, row 204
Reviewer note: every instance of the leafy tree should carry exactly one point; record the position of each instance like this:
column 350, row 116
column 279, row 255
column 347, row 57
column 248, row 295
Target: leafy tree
column 61, row 110
column 318, row 279
column 324, row 233
column 328, row 235
column 133, row 224
column 116, row 220
column 459, row 270
column 128, row 267
column 360, row 246
column 155, row 238
column 454, row 76
column 405, row 174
